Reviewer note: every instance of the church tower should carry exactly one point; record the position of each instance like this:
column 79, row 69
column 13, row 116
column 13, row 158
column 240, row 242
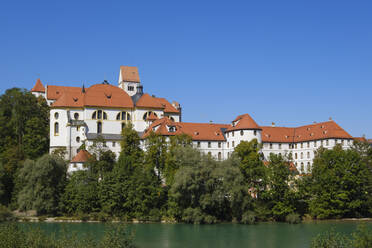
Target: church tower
column 129, row 79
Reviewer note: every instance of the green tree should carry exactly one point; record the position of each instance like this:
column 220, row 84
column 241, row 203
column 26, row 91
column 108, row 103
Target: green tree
column 251, row 164
column 156, row 153
column 340, row 184
column 44, row 181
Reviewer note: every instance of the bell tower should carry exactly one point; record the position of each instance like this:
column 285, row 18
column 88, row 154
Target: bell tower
column 129, row 79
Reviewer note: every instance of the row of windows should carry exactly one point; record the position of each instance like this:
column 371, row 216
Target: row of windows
column 219, row 155
column 56, row 116
column 209, row 144
column 99, row 128
column 315, row 143
column 241, row 133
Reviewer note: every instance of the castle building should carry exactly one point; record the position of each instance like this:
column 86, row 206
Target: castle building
column 79, row 115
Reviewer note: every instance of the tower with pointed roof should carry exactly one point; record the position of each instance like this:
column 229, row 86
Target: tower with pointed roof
column 129, row 80
column 38, row 89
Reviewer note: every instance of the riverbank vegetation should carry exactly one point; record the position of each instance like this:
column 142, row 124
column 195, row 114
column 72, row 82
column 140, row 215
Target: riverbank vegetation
column 171, row 180
column 12, row 235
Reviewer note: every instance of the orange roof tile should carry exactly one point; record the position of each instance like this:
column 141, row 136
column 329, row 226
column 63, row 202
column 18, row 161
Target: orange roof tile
column 54, row 92
column 81, row 157
column 106, row 95
column 168, row 108
column 71, row 99
column 198, row 131
column 243, row 122
column 38, row 87
column 129, row 74
column 147, row 101
column 361, row 139
column 323, row 130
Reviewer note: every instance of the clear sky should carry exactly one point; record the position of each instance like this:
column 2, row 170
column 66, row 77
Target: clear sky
column 288, row 62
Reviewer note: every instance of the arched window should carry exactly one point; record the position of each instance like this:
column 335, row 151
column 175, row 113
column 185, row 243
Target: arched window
column 128, row 117
column 99, row 115
column 241, row 132
column 172, row 119
column 56, row 115
column 123, row 116
column 308, row 154
column 308, row 167
column 296, row 155
column 99, row 127
column 76, row 116
column 302, row 155
column 56, row 128
column 302, row 167
column 255, row 132
column 147, row 114
column 219, row 156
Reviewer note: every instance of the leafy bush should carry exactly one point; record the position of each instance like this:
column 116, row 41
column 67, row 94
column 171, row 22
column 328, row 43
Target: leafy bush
column 83, row 217
column 5, row 214
column 103, row 217
column 331, row 239
column 293, row 218
column 116, row 236
column 249, row 218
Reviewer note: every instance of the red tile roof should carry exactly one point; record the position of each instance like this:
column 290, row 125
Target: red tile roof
column 361, row 139
column 129, row 74
column 81, row 157
column 147, row 101
column 38, row 87
column 98, row 95
column 54, row 92
column 243, row 122
column 168, row 108
column 317, row 131
column 106, row 95
column 198, row 131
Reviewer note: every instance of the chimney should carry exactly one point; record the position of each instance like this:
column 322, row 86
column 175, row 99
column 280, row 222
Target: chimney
column 330, row 118
column 273, row 124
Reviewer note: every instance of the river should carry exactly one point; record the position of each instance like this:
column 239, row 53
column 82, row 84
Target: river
column 263, row 235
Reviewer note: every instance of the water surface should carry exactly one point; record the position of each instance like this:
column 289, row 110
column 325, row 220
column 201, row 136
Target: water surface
column 221, row 235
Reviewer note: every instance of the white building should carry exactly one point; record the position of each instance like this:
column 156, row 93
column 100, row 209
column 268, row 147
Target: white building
column 80, row 114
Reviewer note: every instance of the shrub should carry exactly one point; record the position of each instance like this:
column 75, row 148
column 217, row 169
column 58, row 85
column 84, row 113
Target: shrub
column 5, row 214
column 331, row 239
column 103, row 217
column 192, row 215
column 293, row 218
column 209, row 219
column 249, row 217
column 83, row 217
column 154, row 215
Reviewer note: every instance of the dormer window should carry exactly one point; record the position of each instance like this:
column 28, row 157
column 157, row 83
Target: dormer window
column 172, row 129
column 130, row 88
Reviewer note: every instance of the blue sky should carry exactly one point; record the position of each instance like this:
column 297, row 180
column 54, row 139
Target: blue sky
column 288, row 62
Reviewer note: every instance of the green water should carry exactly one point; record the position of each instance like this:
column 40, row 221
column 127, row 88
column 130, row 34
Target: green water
column 221, row 235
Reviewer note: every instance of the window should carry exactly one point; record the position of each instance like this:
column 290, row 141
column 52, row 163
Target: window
column 296, row 145
column 321, row 142
column 124, row 116
column 130, row 88
column 255, row 132
column 77, row 139
column 271, row 146
column 198, row 144
column 219, row 156
column 314, row 143
column 228, row 154
column 308, row 154
column 147, row 114
column 241, row 132
column 327, row 143
column 302, row 145
column 172, row 119
column 227, row 135
column 56, row 128
column 219, row 144
column 76, row 116
column 296, row 155
column 308, row 144
column 228, row 145
column 209, row 144
column 280, row 146
column 302, row 155
column 336, row 141
column 302, row 167
column 56, row 115
column 99, row 127
column 99, row 114
column 233, row 144
column 113, row 144
column 232, row 133
column 104, row 144
column 172, row 129
column 77, row 128
column 308, row 167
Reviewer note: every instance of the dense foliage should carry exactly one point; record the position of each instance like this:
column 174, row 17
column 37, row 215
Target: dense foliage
column 24, row 134
column 12, row 235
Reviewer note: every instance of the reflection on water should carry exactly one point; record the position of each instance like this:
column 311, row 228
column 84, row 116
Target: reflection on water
column 221, row 235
